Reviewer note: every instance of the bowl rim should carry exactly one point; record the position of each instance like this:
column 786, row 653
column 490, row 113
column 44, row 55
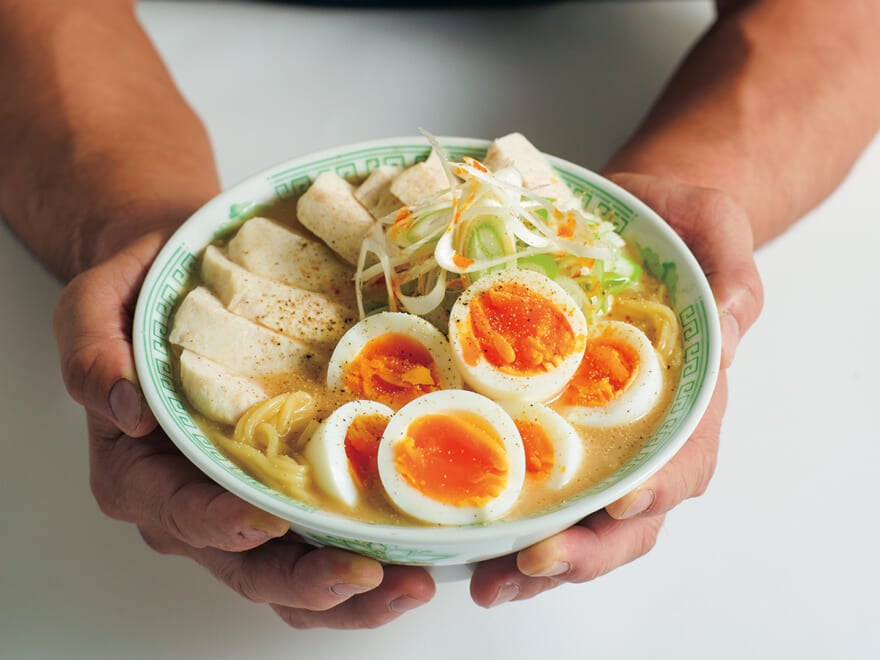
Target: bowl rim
column 323, row 522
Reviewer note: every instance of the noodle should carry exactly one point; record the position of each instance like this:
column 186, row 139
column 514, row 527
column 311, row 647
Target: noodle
column 659, row 323
column 265, row 438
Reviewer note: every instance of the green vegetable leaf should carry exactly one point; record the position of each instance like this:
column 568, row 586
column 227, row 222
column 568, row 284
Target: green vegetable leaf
column 664, row 271
column 543, row 263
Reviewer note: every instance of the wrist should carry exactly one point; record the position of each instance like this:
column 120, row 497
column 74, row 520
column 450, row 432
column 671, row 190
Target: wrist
column 152, row 195
column 76, row 215
column 92, row 157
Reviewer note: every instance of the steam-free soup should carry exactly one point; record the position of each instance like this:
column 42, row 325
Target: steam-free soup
column 445, row 344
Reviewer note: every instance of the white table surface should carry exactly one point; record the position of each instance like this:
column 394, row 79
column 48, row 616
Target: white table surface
column 777, row 560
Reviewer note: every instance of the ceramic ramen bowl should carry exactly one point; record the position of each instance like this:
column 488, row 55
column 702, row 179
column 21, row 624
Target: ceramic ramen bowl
column 420, row 545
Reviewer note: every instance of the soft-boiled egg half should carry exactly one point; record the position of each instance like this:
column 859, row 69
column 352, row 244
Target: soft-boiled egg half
column 618, row 381
column 553, row 448
column 452, row 457
column 342, row 451
column 392, row 358
column 516, row 335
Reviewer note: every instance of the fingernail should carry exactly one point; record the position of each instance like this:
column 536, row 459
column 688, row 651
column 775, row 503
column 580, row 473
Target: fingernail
column 505, row 594
column 125, row 404
column 346, row 590
column 642, row 503
column 557, row 568
column 729, row 337
column 404, row 604
column 254, row 535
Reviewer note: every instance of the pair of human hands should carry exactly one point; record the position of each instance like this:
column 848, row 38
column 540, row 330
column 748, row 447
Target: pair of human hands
column 139, row 476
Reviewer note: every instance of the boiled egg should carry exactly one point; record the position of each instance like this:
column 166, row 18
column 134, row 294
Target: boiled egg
column 393, row 358
column 618, row 381
column 452, row 457
column 342, row 451
column 516, row 334
column 553, row 448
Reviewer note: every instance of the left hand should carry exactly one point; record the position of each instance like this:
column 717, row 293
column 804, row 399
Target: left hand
column 717, row 230
column 139, row 476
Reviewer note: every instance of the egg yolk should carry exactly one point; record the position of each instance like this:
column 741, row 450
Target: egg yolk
column 393, row 369
column 608, row 367
column 517, row 331
column 454, row 458
column 538, row 448
column 362, row 446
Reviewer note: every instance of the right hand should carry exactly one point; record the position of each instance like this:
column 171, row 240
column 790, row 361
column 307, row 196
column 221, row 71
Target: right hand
column 717, row 230
column 139, row 476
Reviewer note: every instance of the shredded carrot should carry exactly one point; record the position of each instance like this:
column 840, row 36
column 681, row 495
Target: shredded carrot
column 567, row 228
column 461, row 261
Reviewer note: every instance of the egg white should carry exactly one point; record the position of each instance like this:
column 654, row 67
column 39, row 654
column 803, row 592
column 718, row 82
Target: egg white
column 354, row 340
column 325, row 451
column 412, row 501
column 491, row 381
column 568, row 448
column 642, row 394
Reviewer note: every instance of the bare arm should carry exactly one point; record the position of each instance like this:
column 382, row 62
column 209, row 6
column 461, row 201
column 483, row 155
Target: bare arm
column 100, row 158
column 762, row 120
column 772, row 107
column 97, row 146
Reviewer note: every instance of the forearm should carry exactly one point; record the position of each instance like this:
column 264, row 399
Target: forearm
column 97, row 146
column 772, row 106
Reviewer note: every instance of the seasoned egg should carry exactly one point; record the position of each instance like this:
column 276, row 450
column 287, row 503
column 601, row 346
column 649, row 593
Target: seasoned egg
column 452, row 457
column 553, row 448
column 516, row 334
column 618, row 380
column 342, row 451
column 392, row 358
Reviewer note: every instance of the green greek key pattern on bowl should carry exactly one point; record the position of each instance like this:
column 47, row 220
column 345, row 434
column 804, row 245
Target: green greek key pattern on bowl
column 382, row 551
column 295, row 181
column 355, row 164
column 599, row 202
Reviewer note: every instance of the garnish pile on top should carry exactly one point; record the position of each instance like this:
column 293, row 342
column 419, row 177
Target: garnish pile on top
column 425, row 254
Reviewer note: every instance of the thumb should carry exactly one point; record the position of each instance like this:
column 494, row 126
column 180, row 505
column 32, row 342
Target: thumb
column 93, row 331
column 718, row 231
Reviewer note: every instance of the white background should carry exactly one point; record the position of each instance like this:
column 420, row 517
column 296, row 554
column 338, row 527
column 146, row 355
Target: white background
column 778, row 559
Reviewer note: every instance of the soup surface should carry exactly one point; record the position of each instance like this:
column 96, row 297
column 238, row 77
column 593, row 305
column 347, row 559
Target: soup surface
column 444, row 344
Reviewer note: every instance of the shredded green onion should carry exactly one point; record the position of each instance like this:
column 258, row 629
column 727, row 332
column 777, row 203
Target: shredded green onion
column 424, row 255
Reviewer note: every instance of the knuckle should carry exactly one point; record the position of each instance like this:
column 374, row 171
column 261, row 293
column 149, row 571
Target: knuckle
column 683, row 488
column 593, row 570
column 717, row 204
column 166, row 515
column 105, row 496
column 296, row 619
column 648, row 538
column 708, row 463
column 370, row 618
column 156, row 541
column 238, row 578
column 73, row 362
column 76, row 366
column 753, row 289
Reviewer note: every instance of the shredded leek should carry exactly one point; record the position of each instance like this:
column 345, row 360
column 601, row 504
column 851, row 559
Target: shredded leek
column 424, row 255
